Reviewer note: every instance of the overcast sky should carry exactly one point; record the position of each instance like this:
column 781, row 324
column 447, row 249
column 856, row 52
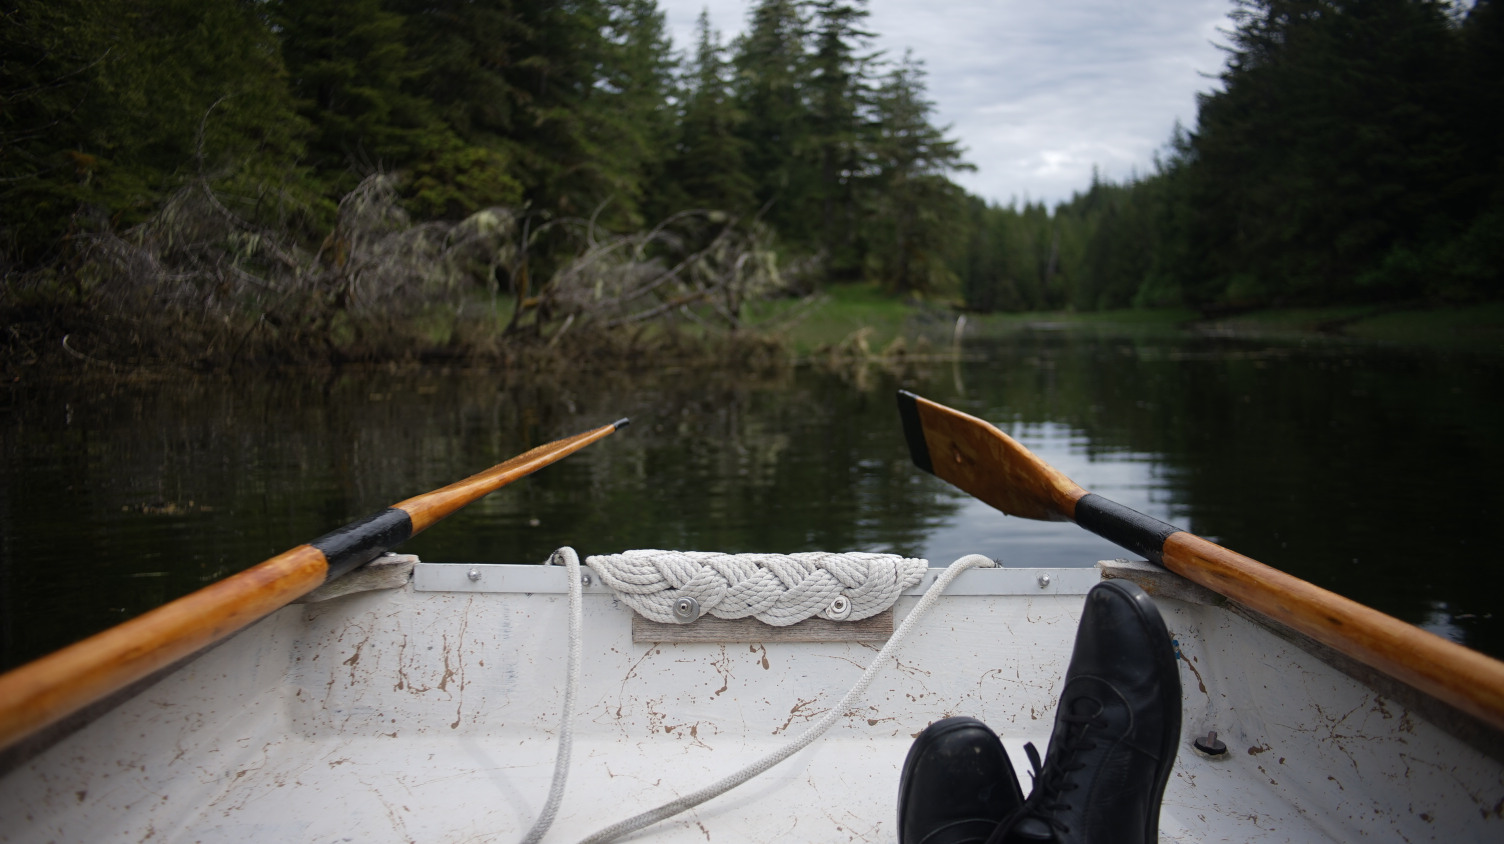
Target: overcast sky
column 1039, row 91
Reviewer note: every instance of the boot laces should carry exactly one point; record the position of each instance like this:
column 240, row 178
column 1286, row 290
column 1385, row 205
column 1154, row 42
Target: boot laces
column 1053, row 784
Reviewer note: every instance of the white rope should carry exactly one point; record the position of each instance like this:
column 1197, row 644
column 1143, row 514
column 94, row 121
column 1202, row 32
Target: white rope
column 776, row 589
column 566, row 725
column 716, row 789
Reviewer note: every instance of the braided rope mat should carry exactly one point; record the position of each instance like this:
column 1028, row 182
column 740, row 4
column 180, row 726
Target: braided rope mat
column 776, row 589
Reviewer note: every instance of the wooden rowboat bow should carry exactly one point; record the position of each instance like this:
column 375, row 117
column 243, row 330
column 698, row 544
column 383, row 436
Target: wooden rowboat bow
column 979, row 459
column 49, row 689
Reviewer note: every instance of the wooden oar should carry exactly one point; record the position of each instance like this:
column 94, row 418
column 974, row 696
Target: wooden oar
column 987, row 463
column 44, row 691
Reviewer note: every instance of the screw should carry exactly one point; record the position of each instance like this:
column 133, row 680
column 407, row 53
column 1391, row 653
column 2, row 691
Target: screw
column 686, row 610
column 1044, row 581
column 586, row 579
column 1210, row 745
column 473, row 574
column 840, row 608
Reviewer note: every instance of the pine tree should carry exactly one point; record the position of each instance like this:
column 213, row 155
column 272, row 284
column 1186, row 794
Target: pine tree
column 771, row 64
column 466, row 48
column 111, row 105
column 914, row 204
column 631, row 122
column 350, row 69
column 709, row 166
column 468, row 158
column 839, row 102
column 1329, row 152
column 586, row 85
column 1469, row 264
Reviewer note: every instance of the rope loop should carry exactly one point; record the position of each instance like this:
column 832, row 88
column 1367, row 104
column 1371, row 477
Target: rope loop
column 776, row 589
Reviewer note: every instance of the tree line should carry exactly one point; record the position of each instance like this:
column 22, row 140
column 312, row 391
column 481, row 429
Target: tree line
column 1350, row 152
column 573, row 108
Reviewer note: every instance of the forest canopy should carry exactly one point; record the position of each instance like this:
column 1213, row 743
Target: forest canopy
column 1349, row 151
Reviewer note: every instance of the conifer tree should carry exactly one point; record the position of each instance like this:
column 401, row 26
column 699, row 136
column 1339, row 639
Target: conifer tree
column 350, row 68
column 839, row 102
column 108, row 106
column 709, row 166
column 630, row 119
column 587, row 119
column 913, row 208
column 1472, row 257
column 771, row 64
column 469, row 158
column 1327, row 151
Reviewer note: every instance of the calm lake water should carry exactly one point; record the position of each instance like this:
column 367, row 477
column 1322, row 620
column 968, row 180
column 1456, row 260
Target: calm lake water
column 1372, row 471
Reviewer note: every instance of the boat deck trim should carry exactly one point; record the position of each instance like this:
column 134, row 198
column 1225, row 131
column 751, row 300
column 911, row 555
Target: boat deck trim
column 536, row 579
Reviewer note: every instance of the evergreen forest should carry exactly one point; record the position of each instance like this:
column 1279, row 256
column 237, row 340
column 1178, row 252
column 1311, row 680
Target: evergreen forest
column 287, row 171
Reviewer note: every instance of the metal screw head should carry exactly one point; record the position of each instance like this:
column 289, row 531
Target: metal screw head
column 1044, row 580
column 473, row 574
column 840, row 608
column 686, row 609
column 1210, row 744
column 586, row 579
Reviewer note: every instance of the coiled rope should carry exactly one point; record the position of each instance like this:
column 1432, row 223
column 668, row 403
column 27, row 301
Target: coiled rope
column 674, row 807
column 776, row 589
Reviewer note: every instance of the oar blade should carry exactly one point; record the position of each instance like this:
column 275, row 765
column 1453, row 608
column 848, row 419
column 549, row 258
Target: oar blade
column 983, row 461
column 978, row 459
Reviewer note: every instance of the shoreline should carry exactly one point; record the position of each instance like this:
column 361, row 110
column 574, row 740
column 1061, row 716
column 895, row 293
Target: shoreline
column 844, row 323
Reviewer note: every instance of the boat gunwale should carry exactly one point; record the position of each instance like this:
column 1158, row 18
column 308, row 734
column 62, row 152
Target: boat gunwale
column 528, row 578
column 531, row 578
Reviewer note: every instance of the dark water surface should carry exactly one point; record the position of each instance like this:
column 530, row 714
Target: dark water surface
column 1371, row 471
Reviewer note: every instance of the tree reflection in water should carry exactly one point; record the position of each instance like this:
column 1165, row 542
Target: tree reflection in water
column 1367, row 470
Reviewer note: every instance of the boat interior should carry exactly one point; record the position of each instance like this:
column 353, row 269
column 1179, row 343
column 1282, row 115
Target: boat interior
column 431, row 712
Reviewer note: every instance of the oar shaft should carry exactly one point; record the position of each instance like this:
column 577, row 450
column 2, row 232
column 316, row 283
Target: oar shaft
column 980, row 459
column 359, row 542
column 426, row 509
column 1460, row 676
column 49, row 689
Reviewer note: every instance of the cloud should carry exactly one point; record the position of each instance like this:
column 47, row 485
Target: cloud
column 1040, row 93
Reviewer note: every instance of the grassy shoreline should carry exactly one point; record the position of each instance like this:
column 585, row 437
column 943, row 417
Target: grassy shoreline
column 1468, row 325
column 851, row 313
column 849, row 323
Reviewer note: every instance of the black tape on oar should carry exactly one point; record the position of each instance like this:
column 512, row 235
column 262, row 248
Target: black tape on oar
column 362, row 541
column 913, row 431
column 1124, row 526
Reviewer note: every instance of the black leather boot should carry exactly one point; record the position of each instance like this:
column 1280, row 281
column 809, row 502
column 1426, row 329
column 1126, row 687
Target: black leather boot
column 1115, row 734
column 956, row 786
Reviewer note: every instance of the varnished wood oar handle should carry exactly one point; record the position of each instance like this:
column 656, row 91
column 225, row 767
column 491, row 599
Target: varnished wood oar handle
column 51, row 688
column 979, row 459
column 1460, row 676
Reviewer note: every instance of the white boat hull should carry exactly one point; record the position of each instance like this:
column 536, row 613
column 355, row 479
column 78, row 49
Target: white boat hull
column 412, row 715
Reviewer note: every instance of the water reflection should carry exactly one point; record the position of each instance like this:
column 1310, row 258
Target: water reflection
column 1367, row 470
